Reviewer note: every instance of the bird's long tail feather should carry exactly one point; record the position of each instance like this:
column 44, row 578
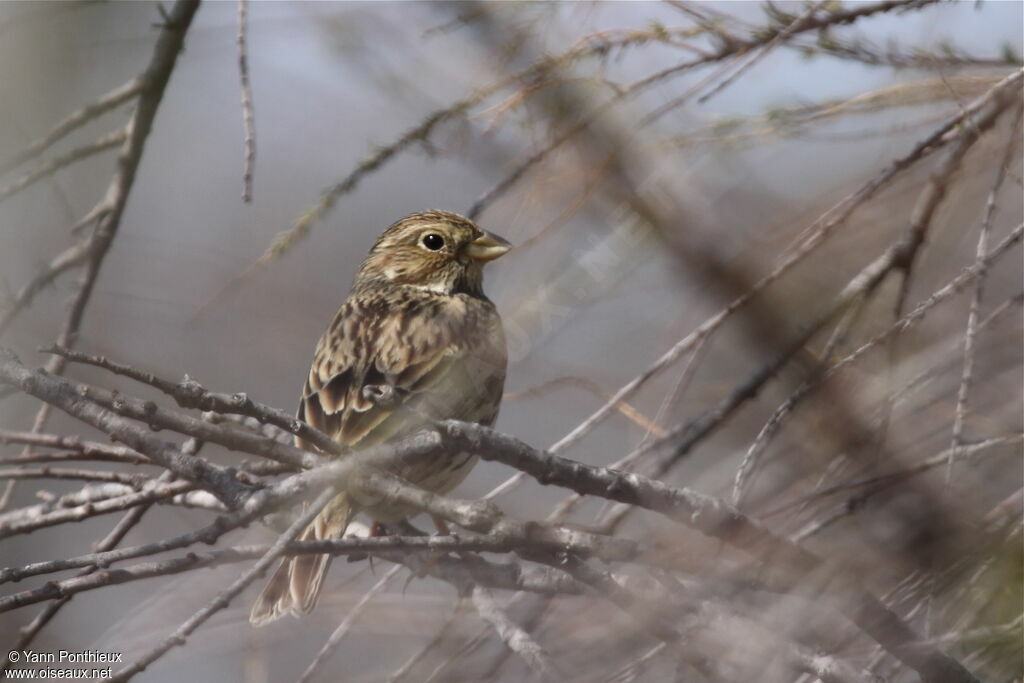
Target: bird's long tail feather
column 296, row 584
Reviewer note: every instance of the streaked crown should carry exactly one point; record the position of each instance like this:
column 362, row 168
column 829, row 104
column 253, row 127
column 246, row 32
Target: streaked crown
column 437, row 251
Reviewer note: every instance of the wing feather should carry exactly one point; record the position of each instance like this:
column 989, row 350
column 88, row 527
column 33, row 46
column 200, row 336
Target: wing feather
column 441, row 355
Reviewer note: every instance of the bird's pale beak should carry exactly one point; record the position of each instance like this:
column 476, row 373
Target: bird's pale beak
column 487, row 247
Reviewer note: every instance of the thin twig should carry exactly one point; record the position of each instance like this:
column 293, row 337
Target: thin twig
column 60, row 393
column 715, row 518
column 80, row 117
column 153, row 84
column 484, row 517
column 73, row 456
column 110, row 541
column 439, row 636
column 951, row 288
column 610, row 522
column 89, row 449
column 818, row 231
column 71, row 257
column 726, row 51
column 134, row 480
column 917, row 58
column 107, row 142
column 247, row 111
column 752, row 459
column 222, row 600
column 301, row 227
column 346, row 624
column 779, row 38
column 405, row 550
column 628, row 411
column 516, row 639
column 116, row 535
column 188, row 393
column 15, row 522
column 903, row 257
column 889, row 478
column 967, row 373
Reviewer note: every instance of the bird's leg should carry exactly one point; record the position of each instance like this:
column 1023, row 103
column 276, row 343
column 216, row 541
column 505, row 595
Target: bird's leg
column 376, row 531
column 442, row 526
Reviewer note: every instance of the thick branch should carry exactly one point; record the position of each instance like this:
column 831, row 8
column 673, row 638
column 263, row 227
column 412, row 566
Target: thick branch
column 414, row 551
column 718, row 519
column 188, row 393
column 59, row 392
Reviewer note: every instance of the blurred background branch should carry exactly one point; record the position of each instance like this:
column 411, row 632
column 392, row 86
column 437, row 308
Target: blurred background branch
column 765, row 313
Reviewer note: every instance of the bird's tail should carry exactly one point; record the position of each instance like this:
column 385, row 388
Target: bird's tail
column 295, row 585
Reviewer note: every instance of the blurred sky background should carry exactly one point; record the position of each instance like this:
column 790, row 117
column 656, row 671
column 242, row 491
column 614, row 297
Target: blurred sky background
column 330, row 81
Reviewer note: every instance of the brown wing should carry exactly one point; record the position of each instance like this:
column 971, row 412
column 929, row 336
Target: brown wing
column 424, row 356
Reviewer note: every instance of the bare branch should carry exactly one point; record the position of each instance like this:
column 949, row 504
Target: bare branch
column 188, row 393
column 442, row 632
column 18, row 522
column 60, row 393
column 332, row 643
column 133, row 480
column 222, row 600
column 406, row 551
column 757, row 597
column 979, row 288
column 901, row 255
column 71, row 257
column 485, row 517
column 517, row 640
column 107, row 142
column 88, row 449
column 154, row 81
column 112, row 99
column 818, row 231
column 881, row 481
column 727, row 50
column 116, row 535
column 717, row 519
column 778, row 39
column 247, row 113
column 284, row 241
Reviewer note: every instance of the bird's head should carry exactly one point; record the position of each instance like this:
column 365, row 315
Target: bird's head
column 436, row 251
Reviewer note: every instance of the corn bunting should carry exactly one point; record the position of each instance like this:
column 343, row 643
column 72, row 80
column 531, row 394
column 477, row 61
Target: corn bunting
column 416, row 340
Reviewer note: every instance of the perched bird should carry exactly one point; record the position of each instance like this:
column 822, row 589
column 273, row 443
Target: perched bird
column 416, row 340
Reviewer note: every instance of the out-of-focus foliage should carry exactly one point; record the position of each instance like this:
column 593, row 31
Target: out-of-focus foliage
column 654, row 163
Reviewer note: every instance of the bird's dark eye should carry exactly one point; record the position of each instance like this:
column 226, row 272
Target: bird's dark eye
column 433, row 241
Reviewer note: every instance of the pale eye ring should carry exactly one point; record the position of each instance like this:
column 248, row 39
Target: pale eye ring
column 433, row 241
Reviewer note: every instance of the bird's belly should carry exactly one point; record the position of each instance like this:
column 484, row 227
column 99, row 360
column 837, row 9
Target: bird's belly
column 430, row 475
